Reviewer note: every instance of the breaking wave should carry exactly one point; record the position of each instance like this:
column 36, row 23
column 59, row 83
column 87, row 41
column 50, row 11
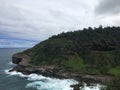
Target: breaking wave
column 44, row 83
column 40, row 82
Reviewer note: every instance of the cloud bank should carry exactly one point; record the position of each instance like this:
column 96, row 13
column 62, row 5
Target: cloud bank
column 10, row 42
column 34, row 21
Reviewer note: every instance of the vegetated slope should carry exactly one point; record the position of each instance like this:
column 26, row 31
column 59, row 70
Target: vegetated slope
column 89, row 50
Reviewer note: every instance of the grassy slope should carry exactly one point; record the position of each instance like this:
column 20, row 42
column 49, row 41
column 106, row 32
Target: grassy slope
column 115, row 71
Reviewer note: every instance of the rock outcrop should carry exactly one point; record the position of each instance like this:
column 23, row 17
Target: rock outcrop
column 53, row 71
column 16, row 59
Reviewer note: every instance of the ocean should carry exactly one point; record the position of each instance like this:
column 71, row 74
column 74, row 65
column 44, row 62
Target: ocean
column 17, row 81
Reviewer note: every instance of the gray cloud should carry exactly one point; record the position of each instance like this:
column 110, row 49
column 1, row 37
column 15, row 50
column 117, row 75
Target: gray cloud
column 39, row 19
column 108, row 7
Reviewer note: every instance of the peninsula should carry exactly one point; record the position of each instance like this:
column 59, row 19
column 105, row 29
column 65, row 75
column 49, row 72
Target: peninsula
column 90, row 55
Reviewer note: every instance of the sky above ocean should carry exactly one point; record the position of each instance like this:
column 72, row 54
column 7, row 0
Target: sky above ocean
column 23, row 23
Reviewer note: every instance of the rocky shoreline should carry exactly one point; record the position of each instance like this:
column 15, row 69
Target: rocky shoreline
column 25, row 67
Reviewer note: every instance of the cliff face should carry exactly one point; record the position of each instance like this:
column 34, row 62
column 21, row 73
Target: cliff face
column 25, row 67
column 16, row 60
column 21, row 59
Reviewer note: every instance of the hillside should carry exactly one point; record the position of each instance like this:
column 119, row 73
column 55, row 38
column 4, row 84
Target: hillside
column 95, row 51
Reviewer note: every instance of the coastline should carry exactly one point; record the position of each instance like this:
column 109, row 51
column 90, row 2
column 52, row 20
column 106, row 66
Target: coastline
column 26, row 68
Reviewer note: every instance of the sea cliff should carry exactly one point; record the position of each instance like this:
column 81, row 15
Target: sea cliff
column 25, row 67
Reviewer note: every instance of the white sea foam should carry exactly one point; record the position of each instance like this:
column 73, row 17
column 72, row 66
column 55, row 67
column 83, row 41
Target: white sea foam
column 10, row 63
column 52, row 84
column 34, row 77
column 46, row 83
column 14, row 73
column 95, row 87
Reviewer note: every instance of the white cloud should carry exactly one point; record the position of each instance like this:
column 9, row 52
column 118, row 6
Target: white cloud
column 39, row 19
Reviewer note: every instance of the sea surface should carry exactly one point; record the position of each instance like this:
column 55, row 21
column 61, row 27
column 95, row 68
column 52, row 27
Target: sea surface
column 17, row 81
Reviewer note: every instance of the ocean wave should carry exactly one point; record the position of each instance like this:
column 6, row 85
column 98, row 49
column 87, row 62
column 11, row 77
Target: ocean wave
column 34, row 77
column 40, row 82
column 52, row 84
column 10, row 63
column 14, row 73
column 94, row 87
column 44, row 83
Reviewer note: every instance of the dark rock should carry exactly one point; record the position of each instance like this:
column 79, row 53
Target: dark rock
column 16, row 60
column 11, row 70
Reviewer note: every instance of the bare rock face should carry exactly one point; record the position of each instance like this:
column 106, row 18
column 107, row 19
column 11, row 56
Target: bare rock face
column 16, row 60
column 21, row 59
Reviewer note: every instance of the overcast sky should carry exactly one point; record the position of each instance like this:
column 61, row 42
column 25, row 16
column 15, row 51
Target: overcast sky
column 27, row 22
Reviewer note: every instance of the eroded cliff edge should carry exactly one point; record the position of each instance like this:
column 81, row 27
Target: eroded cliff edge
column 25, row 67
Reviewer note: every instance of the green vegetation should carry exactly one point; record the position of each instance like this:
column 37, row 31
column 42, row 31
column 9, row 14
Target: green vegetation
column 94, row 51
column 76, row 64
column 114, row 84
column 115, row 71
